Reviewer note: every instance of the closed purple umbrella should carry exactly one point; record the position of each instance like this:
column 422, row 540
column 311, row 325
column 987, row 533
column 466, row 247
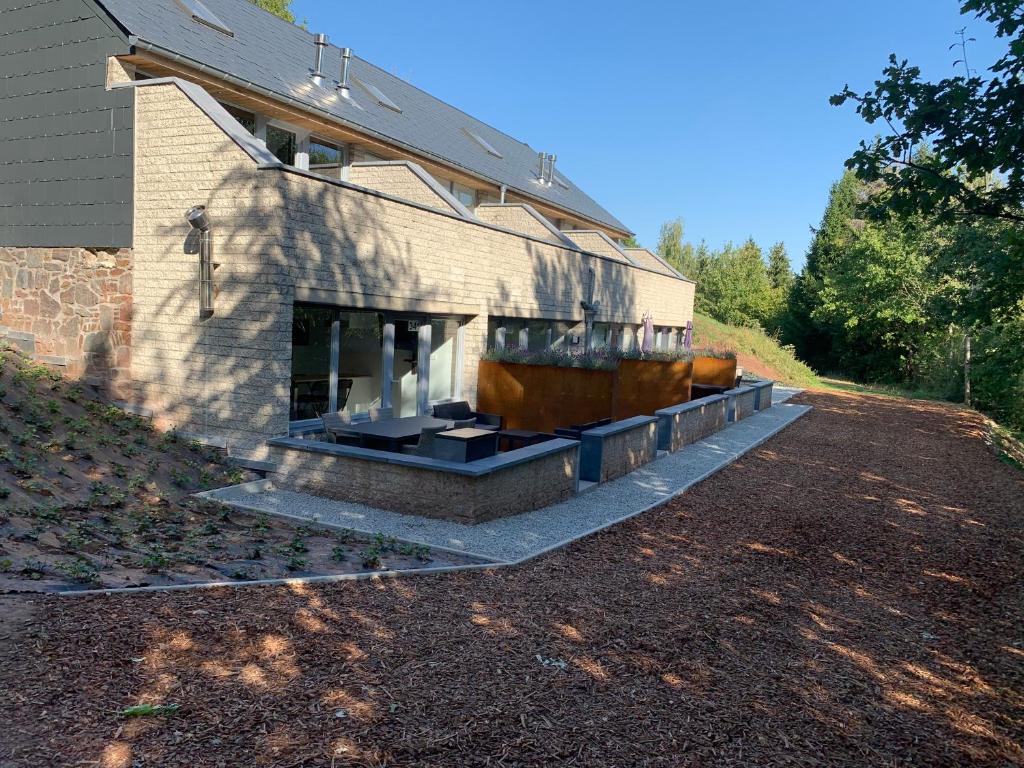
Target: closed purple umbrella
column 648, row 344
column 688, row 336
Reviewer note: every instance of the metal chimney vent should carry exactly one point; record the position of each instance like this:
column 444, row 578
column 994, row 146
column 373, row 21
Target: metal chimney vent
column 343, row 84
column 547, row 168
column 320, row 44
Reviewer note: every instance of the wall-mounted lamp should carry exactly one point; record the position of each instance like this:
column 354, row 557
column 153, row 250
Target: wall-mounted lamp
column 199, row 219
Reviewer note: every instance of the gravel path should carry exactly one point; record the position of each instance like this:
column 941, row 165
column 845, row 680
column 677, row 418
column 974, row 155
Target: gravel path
column 521, row 537
column 848, row 594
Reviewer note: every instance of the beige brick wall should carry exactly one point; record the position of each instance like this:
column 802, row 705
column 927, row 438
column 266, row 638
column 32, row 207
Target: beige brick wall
column 412, row 491
column 595, row 243
column 398, row 180
column 276, row 231
column 518, row 219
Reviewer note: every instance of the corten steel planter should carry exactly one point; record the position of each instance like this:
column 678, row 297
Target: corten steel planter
column 542, row 397
column 645, row 386
column 716, row 371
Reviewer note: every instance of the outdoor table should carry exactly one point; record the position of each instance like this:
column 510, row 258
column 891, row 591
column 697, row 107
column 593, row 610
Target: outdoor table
column 393, row 433
column 465, row 445
column 520, row 438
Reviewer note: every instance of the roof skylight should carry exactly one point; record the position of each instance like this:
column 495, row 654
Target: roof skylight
column 561, row 182
column 378, row 94
column 204, row 15
column 483, row 143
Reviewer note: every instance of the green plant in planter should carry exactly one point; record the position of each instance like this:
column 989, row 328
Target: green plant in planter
column 719, row 354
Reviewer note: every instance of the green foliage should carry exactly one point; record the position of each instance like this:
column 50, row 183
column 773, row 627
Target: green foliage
column 598, row 359
column 922, row 243
column 150, row 710
column 708, row 332
column 282, row 8
column 974, row 126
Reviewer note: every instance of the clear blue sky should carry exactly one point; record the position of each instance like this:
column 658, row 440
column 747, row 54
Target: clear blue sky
column 715, row 112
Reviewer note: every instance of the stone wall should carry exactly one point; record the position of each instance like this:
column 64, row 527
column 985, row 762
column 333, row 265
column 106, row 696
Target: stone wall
column 411, row 490
column 763, row 392
column 610, row 452
column 71, row 307
column 741, row 403
column 682, row 425
column 278, row 234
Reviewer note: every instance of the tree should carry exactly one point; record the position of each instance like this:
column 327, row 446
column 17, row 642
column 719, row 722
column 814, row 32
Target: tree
column 676, row 251
column 734, row 286
column 780, row 273
column 812, row 337
column 974, row 126
column 282, row 8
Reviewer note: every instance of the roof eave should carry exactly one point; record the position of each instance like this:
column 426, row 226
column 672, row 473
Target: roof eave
column 147, row 45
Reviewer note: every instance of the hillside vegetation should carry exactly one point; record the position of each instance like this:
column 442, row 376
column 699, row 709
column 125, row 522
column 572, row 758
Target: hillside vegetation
column 92, row 496
column 756, row 352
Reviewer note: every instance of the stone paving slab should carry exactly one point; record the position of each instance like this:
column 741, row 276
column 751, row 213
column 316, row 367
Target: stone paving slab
column 518, row 538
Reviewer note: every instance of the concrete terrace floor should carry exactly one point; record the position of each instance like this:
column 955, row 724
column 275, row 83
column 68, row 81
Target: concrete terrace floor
column 849, row 593
column 514, row 539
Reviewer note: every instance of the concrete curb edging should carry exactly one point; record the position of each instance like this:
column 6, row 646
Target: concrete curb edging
column 488, row 565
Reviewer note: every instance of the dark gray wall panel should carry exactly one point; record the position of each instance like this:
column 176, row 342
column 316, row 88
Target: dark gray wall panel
column 65, row 141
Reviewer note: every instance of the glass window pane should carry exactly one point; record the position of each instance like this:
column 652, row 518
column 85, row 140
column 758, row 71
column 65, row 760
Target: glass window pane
column 311, row 361
column 246, row 119
column 512, row 328
column 359, row 360
column 560, row 337
column 282, row 144
column 539, row 334
column 325, row 158
column 406, row 369
column 443, row 355
column 600, row 337
column 464, row 195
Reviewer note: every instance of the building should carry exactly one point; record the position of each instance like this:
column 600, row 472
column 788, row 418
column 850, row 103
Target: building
column 362, row 242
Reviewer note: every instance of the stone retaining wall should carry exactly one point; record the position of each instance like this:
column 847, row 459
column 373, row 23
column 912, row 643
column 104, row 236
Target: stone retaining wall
column 619, row 448
column 763, row 393
column 426, row 490
column 741, row 403
column 70, row 307
column 684, row 424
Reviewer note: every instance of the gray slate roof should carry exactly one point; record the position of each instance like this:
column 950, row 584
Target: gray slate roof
column 278, row 56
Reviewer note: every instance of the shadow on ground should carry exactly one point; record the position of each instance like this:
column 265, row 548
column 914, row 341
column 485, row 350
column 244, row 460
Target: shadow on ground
column 848, row 594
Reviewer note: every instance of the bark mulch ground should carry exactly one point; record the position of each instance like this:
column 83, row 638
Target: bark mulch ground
column 848, row 594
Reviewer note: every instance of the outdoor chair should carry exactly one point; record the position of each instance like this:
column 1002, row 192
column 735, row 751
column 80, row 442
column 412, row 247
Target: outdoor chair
column 459, row 410
column 334, row 425
column 426, row 444
column 380, row 414
column 464, row 424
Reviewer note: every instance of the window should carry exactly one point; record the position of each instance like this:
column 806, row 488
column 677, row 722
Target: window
column 204, row 15
column 282, row 144
column 444, row 358
column 246, row 119
column 465, row 195
column 354, row 359
column 482, row 142
column 377, row 94
column 325, row 158
column 601, row 336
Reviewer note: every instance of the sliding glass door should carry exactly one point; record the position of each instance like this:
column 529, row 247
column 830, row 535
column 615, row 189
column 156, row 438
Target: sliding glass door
column 357, row 359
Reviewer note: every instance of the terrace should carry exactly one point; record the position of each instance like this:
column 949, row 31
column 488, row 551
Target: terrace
column 550, row 426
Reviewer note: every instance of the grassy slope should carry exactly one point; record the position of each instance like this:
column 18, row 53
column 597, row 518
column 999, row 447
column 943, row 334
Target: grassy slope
column 756, row 352
column 93, row 496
